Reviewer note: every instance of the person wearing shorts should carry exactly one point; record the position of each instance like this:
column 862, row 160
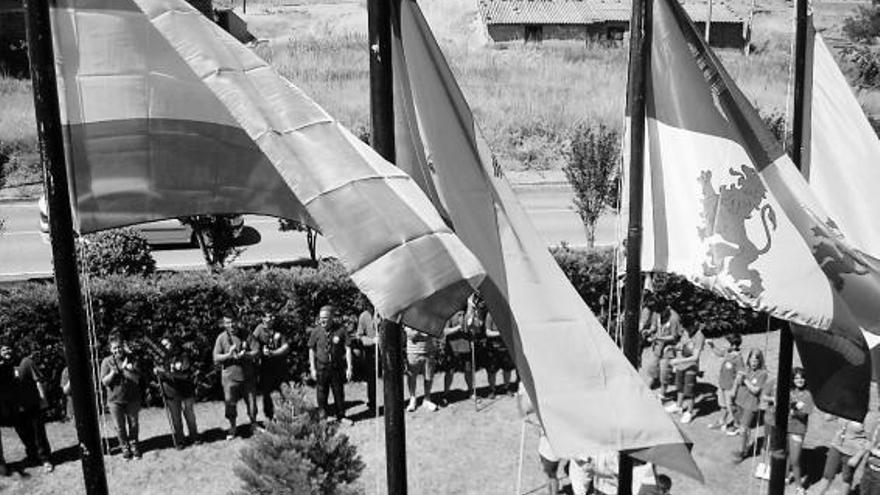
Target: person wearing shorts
column 236, row 351
column 748, row 385
column 801, row 405
column 497, row 358
column 686, row 365
column 457, row 355
column 731, row 364
column 661, row 329
column 419, row 361
column 844, row 454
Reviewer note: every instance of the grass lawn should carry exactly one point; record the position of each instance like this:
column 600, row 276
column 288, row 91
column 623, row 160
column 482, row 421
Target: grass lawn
column 453, row 451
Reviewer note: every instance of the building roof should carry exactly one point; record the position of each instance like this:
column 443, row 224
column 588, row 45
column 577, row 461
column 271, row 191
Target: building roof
column 587, row 11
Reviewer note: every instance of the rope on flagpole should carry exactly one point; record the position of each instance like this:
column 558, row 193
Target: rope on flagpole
column 522, row 447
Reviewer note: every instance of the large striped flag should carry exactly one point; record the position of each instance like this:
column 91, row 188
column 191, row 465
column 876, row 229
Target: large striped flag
column 167, row 115
column 587, row 395
column 841, row 157
column 726, row 208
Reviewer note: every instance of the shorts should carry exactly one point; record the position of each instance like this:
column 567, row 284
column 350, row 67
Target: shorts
column 838, row 462
column 496, row 356
column 418, row 364
column 686, row 382
column 234, row 391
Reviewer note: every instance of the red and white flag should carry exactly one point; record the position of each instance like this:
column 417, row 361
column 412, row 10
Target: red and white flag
column 167, row 115
column 726, row 208
column 587, row 395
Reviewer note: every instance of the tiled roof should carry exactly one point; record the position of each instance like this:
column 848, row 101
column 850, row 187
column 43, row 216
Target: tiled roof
column 586, row 11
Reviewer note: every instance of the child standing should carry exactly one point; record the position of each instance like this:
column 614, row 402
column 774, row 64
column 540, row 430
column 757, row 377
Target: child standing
column 801, row 405
column 731, row 364
column 749, row 384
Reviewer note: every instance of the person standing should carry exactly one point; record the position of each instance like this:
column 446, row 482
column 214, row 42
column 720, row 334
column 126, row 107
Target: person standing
column 419, row 361
column 800, row 407
column 458, row 354
column 330, row 360
column 748, row 386
column 235, row 352
column 365, row 334
column 30, row 402
column 176, row 379
column 274, row 348
column 731, row 364
column 497, row 358
column 661, row 329
column 686, row 366
column 122, row 378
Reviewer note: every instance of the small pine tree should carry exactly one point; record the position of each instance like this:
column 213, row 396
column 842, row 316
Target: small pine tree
column 592, row 172
column 300, row 453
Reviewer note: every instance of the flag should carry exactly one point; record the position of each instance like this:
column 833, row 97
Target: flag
column 166, row 115
column 587, row 395
column 841, row 157
column 727, row 209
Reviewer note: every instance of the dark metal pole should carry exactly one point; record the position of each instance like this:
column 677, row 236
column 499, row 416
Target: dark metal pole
column 639, row 57
column 779, row 440
column 379, row 14
column 76, row 344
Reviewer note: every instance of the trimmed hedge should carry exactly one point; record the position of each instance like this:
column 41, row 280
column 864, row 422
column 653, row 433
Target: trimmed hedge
column 188, row 305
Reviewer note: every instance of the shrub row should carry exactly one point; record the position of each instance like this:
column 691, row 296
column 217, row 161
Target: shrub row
column 188, row 305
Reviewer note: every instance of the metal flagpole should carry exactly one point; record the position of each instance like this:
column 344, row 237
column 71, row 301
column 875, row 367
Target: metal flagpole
column 639, row 58
column 73, row 328
column 379, row 14
column 779, row 440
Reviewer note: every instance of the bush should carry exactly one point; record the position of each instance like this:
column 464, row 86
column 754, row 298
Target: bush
column 865, row 26
column 300, row 453
column 117, row 251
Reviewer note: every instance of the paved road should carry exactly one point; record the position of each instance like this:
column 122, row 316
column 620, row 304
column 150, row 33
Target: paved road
column 23, row 254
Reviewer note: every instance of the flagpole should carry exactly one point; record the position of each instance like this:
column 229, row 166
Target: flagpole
column 779, row 440
column 379, row 14
column 639, row 56
column 76, row 343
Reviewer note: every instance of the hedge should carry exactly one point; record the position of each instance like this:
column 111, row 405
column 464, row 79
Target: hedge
column 188, row 305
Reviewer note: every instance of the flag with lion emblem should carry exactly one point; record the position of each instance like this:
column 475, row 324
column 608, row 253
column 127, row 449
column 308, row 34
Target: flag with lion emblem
column 726, row 208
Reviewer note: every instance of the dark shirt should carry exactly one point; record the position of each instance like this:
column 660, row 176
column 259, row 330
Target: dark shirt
column 271, row 366
column 329, row 347
column 236, row 369
column 125, row 387
column 177, row 376
column 801, row 407
column 28, row 376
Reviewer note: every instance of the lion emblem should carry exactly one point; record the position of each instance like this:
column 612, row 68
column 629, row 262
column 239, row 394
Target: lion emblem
column 834, row 257
column 728, row 248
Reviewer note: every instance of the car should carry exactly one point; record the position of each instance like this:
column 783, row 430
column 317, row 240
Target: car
column 163, row 232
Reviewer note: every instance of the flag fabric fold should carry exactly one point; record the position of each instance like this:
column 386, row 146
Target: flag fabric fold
column 727, row 209
column 166, row 115
column 587, row 395
column 841, row 157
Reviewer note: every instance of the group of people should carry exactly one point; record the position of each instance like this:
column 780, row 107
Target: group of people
column 22, row 402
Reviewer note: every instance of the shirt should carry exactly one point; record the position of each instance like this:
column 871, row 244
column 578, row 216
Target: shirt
column 690, row 345
column 28, row 377
column 125, row 387
column 236, row 369
column 850, row 437
column 272, row 340
column 177, row 376
column 418, row 343
column 366, row 329
column 745, row 398
column 329, row 347
column 801, row 407
column 730, row 366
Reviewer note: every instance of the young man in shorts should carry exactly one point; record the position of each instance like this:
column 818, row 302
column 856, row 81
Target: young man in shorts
column 236, row 352
column 419, row 361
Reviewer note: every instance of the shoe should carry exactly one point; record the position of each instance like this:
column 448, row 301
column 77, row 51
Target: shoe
column 412, row 405
column 135, row 451
column 48, row 467
column 345, row 422
column 126, row 452
column 687, row 417
column 427, row 404
column 230, row 434
column 672, row 408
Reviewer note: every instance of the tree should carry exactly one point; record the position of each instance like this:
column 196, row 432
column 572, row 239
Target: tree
column 592, row 172
column 285, row 225
column 300, row 453
column 215, row 235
